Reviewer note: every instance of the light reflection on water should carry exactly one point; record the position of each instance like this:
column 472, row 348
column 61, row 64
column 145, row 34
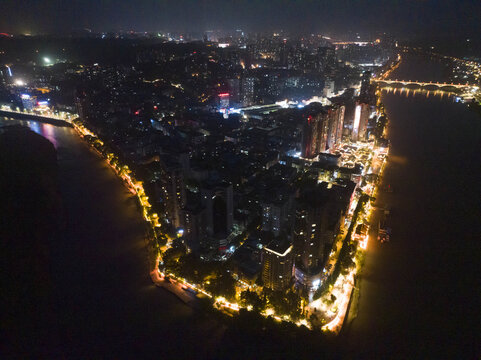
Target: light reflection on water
column 406, row 92
column 48, row 131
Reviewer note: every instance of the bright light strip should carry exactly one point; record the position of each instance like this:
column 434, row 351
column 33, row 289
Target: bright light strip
column 357, row 119
column 278, row 254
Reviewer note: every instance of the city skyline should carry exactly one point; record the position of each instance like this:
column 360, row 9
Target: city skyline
column 408, row 18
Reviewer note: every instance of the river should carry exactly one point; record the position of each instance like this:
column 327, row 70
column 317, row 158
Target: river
column 419, row 293
column 105, row 301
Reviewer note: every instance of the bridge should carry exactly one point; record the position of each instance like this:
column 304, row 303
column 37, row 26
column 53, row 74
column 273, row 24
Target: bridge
column 422, row 84
column 61, row 118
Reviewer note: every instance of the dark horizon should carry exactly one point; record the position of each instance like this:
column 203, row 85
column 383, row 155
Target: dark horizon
column 402, row 18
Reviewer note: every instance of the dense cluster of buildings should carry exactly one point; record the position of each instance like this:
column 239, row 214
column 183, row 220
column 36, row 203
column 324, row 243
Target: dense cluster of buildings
column 237, row 178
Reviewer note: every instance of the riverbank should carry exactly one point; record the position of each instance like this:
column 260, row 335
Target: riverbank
column 417, row 292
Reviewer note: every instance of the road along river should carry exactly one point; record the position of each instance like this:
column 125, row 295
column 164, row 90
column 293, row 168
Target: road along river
column 419, row 293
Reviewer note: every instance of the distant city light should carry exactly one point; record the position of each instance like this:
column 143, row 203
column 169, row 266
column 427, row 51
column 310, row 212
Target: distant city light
column 283, row 104
column 19, row 82
column 294, row 153
column 47, row 60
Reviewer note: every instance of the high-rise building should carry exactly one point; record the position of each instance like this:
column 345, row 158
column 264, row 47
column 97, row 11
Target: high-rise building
column 361, row 119
column 314, row 131
column 335, row 115
column 309, row 137
column 309, row 229
column 172, row 190
column 296, row 58
column 83, row 104
column 234, row 91
column 326, row 59
column 365, row 84
column 277, row 264
column 217, row 198
column 193, row 224
column 247, row 91
column 273, row 85
column 276, row 213
column 318, row 217
column 283, row 54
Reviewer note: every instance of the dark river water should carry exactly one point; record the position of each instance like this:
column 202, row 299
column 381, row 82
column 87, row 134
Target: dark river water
column 419, row 293
column 105, row 302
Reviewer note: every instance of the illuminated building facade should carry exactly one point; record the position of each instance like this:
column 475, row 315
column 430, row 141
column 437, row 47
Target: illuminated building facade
column 224, row 100
column 361, row 119
column 335, row 115
column 247, row 91
column 29, row 102
column 314, row 131
column 277, row 264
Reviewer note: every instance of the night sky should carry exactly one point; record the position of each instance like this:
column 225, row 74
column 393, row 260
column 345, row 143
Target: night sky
column 399, row 17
